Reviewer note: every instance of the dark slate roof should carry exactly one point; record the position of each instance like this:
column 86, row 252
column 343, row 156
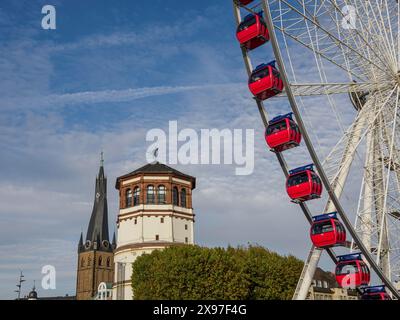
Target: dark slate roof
column 97, row 231
column 157, row 167
column 33, row 294
column 327, row 276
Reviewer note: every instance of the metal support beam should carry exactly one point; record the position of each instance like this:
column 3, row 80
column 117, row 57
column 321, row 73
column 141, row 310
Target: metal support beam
column 314, row 256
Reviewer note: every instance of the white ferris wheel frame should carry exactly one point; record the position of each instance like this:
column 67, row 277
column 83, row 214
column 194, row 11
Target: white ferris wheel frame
column 369, row 55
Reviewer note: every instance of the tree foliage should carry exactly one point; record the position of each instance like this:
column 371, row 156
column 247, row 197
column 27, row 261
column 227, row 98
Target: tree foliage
column 193, row 272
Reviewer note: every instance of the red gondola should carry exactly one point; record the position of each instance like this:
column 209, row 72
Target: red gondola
column 327, row 231
column 352, row 272
column 245, row 2
column 375, row 293
column 282, row 133
column 265, row 81
column 303, row 184
column 252, row 32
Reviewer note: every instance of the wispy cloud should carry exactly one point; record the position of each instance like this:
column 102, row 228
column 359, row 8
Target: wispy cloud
column 90, row 97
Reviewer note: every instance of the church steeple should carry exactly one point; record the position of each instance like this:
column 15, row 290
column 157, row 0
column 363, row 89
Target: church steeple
column 97, row 236
column 80, row 245
column 96, row 254
column 114, row 241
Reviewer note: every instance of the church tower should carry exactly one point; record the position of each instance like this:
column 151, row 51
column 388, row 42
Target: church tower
column 155, row 212
column 95, row 255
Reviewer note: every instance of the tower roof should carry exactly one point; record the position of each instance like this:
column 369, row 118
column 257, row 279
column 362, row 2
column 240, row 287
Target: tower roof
column 33, row 294
column 157, row 167
column 97, row 231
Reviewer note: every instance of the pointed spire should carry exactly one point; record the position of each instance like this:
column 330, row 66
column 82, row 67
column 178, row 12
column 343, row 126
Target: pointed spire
column 114, row 242
column 101, row 169
column 80, row 245
column 98, row 225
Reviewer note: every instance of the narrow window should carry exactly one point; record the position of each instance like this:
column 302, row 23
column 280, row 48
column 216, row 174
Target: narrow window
column 175, row 196
column 161, row 194
column 128, row 198
column 108, row 262
column 186, row 240
column 183, row 198
column 162, row 220
column 150, row 195
column 186, row 227
column 135, row 221
column 100, row 261
column 136, row 196
column 157, row 237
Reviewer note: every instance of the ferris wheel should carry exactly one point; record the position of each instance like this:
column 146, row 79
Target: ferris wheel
column 350, row 51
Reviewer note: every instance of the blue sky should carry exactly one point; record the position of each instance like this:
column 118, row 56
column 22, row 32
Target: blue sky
column 110, row 72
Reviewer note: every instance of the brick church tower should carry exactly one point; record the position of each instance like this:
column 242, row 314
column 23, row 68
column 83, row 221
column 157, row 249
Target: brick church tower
column 95, row 255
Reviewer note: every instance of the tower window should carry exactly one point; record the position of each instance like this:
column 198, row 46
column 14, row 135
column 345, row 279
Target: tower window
column 186, row 240
column 161, row 194
column 162, row 220
column 82, row 262
column 136, row 196
column 150, row 195
column 183, row 198
column 186, row 227
column 135, row 221
column 128, row 200
column 108, row 262
column 175, row 196
column 100, row 261
column 157, row 237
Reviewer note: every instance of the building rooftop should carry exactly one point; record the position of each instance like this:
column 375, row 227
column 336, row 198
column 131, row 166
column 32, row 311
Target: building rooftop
column 157, row 167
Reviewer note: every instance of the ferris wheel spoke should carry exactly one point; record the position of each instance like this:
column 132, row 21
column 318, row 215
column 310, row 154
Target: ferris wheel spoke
column 309, row 32
column 379, row 193
column 388, row 159
column 317, row 89
column 369, row 23
column 353, row 136
column 354, row 37
column 333, row 163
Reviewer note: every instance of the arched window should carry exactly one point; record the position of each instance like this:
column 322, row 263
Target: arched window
column 100, row 261
column 136, row 196
column 183, row 198
column 128, row 198
column 161, row 193
column 89, row 262
column 150, row 195
column 108, row 262
column 175, row 196
column 82, row 262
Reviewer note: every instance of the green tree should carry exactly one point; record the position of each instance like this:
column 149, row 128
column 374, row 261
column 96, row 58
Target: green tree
column 193, row 272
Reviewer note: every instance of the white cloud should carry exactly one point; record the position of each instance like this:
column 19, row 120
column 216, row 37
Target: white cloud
column 93, row 97
column 49, row 166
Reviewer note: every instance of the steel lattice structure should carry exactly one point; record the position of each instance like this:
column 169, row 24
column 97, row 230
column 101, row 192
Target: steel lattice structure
column 360, row 40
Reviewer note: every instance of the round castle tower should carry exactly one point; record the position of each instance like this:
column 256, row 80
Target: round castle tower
column 155, row 212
